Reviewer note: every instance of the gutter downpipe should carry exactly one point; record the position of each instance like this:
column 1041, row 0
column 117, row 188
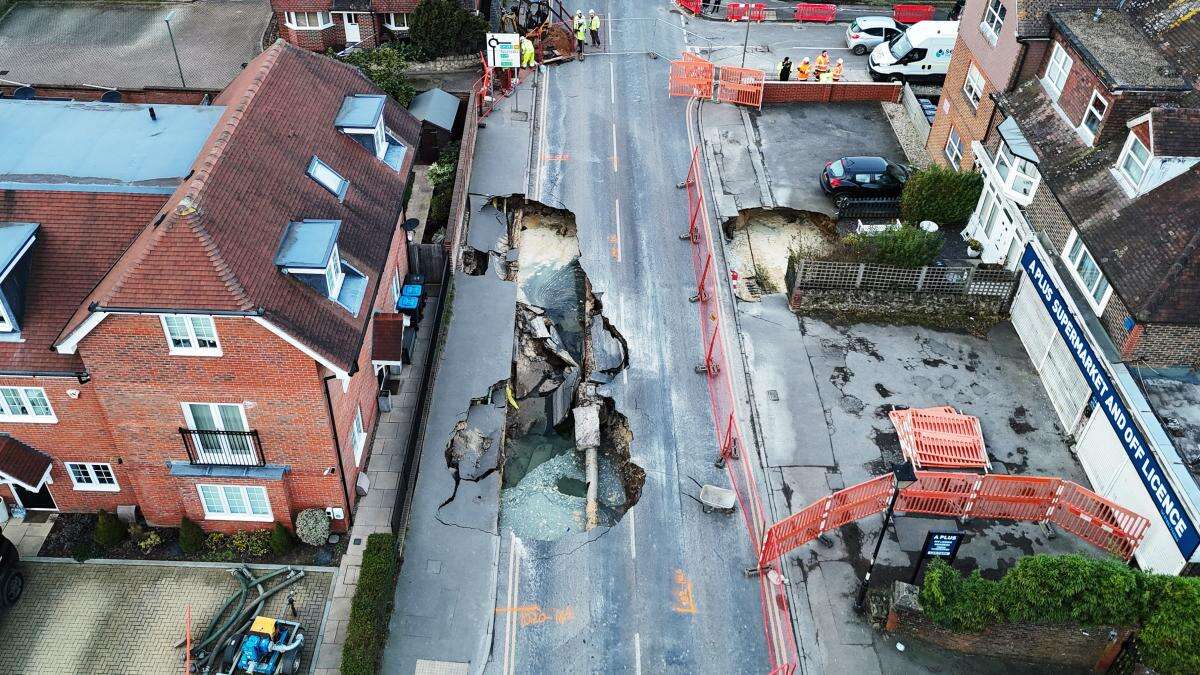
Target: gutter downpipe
column 337, row 451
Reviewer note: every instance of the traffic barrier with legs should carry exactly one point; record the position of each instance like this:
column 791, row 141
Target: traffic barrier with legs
column 912, row 13
column 691, row 77
column 809, row 11
column 742, row 86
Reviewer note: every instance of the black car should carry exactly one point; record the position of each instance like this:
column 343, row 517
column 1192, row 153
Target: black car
column 863, row 177
column 12, row 582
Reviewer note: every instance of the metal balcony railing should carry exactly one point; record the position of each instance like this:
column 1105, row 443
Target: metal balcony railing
column 222, row 448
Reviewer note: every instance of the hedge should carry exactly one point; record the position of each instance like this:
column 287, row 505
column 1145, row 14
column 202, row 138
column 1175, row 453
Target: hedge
column 1045, row 589
column 945, row 196
column 371, row 607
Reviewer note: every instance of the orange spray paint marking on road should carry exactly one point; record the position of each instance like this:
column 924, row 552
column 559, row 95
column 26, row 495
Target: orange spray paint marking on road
column 684, row 602
column 556, row 158
column 534, row 615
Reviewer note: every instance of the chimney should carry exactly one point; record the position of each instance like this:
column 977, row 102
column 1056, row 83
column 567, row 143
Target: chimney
column 153, row 117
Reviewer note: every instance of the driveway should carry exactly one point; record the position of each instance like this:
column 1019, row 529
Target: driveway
column 126, row 45
column 104, row 619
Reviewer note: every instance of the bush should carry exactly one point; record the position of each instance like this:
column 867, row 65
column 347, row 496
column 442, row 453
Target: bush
column 148, row 542
column 110, row 530
column 82, row 550
column 443, row 28
column 191, row 537
column 945, row 196
column 253, row 543
column 371, row 606
column 312, row 527
column 387, row 68
column 1075, row 589
column 907, row 246
column 282, row 540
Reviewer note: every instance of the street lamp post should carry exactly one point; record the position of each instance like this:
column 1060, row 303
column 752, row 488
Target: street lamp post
column 171, row 34
column 905, row 476
column 746, row 41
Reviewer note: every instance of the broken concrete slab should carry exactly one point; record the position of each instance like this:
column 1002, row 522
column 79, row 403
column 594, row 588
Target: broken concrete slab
column 587, row 426
column 608, row 351
column 562, row 398
column 488, row 230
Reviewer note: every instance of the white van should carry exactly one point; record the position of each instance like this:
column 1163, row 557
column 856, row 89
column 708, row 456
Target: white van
column 919, row 54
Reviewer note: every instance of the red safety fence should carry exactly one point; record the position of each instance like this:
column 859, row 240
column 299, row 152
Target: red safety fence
column 828, row 513
column 740, row 11
column 1029, row 498
column 809, row 11
column 692, row 6
column 941, row 438
column 1093, row 518
column 912, row 13
column 743, row 86
column 691, row 77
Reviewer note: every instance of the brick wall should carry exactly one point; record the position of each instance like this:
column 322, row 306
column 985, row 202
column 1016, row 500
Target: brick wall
column 81, row 434
column 1077, row 91
column 1066, row 644
column 955, row 110
column 833, row 92
column 1159, row 345
column 316, row 40
column 151, row 95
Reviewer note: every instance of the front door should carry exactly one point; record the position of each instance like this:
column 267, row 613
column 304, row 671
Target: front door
column 353, row 34
column 35, row 501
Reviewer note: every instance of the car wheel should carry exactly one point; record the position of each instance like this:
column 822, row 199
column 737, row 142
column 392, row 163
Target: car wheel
column 841, row 201
column 895, row 77
column 12, row 584
column 859, row 50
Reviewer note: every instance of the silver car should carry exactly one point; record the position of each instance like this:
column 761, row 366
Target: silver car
column 867, row 31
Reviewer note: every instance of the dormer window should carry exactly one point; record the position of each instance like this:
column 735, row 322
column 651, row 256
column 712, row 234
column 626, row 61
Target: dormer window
column 1016, row 163
column 16, row 240
column 361, row 118
column 309, row 253
column 1134, row 159
column 328, row 178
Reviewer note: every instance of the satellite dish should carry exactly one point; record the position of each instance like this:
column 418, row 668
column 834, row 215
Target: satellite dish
column 112, row 96
column 24, row 93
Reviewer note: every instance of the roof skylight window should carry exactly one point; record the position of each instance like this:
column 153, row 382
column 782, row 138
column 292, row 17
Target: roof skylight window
column 328, row 178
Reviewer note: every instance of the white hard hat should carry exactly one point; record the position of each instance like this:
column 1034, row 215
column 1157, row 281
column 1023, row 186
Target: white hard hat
column 591, row 11
column 839, row 60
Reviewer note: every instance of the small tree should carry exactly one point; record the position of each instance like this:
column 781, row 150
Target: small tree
column 945, row 196
column 281, row 539
column 443, row 27
column 110, row 530
column 387, row 68
column 191, row 537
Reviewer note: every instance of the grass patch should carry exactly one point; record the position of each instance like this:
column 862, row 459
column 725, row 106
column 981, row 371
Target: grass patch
column 371, row 607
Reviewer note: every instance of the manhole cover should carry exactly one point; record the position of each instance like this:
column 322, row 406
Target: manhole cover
column 773, row 394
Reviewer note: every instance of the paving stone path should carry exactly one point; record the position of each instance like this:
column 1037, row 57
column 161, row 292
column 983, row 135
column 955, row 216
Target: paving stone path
column 106, row 619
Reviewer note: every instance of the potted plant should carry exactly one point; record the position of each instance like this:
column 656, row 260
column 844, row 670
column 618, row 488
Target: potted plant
column 974, row 248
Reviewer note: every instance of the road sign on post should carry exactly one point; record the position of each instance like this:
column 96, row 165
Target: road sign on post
column 504, row 50
column 942, row 545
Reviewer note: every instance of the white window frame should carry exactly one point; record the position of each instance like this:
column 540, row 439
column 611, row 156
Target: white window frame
column 1058, row 69
column 358, row 436
column 334, row 274
column 24, row 395
column 89, row 479
column 7, row 325
column 1084, row 132
column 218, row 421
column 225, row 513
column 973, row 86
column 1128, row 154
column 389, row 21
column 954, row 147
column 1072, row 258
column 189, row 325
column 1009, row 168
column 323, row 20
column 397, row 288
column 993, row 20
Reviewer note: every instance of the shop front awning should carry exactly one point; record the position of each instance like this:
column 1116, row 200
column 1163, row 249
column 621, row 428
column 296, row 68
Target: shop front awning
column 22, row 464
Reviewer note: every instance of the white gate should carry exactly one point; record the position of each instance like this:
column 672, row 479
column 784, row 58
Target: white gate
column 1051, row 357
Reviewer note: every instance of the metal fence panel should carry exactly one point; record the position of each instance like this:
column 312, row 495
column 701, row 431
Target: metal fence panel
column 824, row 274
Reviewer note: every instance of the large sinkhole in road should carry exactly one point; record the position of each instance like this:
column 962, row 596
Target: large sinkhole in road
column 564, row 421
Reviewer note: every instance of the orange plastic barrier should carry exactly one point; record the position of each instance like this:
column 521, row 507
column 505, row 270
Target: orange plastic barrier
column 1098, row 521
column 691, row 77
column 938, row 494
column 736, row 11
column 912, row 13
column 839, row 508
column 743, row 86
column 758, row 12
column 808, row 11
column 692, row 6
column 940, row 437
column 1029, row 498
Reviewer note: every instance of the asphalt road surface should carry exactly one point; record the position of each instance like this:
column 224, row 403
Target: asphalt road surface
column 663, row 590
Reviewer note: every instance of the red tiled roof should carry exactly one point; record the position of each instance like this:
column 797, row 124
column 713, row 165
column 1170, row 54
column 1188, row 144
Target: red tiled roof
column 215, row 249
column 387, row 337
column 22, row 462
column 80, row 235
column 1176, row 132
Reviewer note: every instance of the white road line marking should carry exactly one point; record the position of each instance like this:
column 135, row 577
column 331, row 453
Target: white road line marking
column 612, row 83
column 632, row 537
column 617, row 210
column 637, row 651
column 510, row 619
column 827, row 49
column 614, row 135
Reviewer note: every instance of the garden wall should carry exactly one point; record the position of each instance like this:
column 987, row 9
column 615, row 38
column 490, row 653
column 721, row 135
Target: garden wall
column 830, row 92
column 1063, row 644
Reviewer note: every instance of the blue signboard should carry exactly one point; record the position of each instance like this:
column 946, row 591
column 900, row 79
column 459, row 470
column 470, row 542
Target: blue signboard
column 1152, row 474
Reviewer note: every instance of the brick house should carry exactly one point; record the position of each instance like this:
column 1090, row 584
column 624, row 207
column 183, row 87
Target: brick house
column 192, row 295
column 1091, row 168
column 334, row 24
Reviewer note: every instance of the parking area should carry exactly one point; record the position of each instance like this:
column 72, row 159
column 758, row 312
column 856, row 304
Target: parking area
column 126, row 45
column 822, row 393
column 105, row 619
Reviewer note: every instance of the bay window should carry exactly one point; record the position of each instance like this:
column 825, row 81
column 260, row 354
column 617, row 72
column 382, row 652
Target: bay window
column 307, row 20
column 1018, row 175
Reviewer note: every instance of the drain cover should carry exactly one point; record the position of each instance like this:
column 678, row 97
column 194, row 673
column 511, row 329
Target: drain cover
column 773, row 394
